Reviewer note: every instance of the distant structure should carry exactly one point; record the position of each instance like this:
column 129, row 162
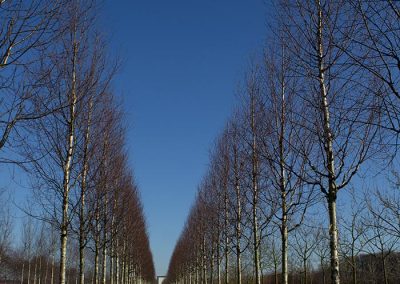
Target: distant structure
column 160, row 279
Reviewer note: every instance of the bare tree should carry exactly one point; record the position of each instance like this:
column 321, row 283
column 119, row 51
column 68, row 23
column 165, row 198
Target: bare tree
column 252, row 125
column 337, row 104
column 28, row 236
column 375, row 48
column 286, row 165
column 322, row 252
column 5, row 227
column 55, row 75
column 379, row 241
column 386, row 206
column 220, row 167
column 353, row 233
column 304, row 245
column 93, row 105
column 237, row 196
column 271, row 256
column 69, row 77
column 27, row 29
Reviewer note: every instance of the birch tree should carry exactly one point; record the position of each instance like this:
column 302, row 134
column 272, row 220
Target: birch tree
column 5, row 228
column 336, row 100
column 237, row 196
column 66, row 74
column 252, row 125
column 353, row 234
column 286, row 165
column 91, row 125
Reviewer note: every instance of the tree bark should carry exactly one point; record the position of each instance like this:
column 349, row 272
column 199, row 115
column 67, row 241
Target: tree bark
column 52, row 271
column 238, row 216
column 29, row 271
column 22, row 273
column 354, row 267
column 226, row 219
column 254, row 179
column 104, row 270
column 82, row 221
column 385, row 278
column 104, row 252
column 282, row 162
column 333, row 242
column 117, row 266
column 67, row 166
column 332, row 191
column 96, row 251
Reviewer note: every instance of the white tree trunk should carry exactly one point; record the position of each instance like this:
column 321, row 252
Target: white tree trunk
column 22, row 274
column 254, row 178
column 332, row 191
column 67, row 167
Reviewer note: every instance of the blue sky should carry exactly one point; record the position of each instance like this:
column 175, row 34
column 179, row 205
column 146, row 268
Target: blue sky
column 182, row 61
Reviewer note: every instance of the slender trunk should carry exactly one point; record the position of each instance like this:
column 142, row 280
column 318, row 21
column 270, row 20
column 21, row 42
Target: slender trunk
column 218, row 261
column 114, row 240
column 197, row 270
column 125, row 275
column 34, row 272
column 323, row 270
column 45, row 274
column 282, row 182
column 40, row 270
column 204, row 262
column 385, row 278
column 254, row 179
column 333, row 242
column 117, row 266
column 96, row 243
column 52, row 270
column 284, row 235
column 238, row 217
column 255, row 235
column 67, row 167
column 112, row 267
column 29, row 271
column 82, row 220
column 122, row 267
column 96, row 261
column 332, row 192
column 354, row 268
column 104, row 271
column 81, row 259
column 133, row 275
column 22, row 274
column 239, row 266
column 212, row 265
column 226, row 219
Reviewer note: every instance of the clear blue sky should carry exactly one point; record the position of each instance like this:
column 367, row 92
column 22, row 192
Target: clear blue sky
column 182, row 60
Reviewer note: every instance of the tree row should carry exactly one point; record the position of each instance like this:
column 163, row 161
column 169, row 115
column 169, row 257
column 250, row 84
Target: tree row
column 62, row 125
column 316, row 119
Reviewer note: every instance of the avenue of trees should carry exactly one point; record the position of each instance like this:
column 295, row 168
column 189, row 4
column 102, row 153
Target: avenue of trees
column 303, row 183
column 62, row 126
